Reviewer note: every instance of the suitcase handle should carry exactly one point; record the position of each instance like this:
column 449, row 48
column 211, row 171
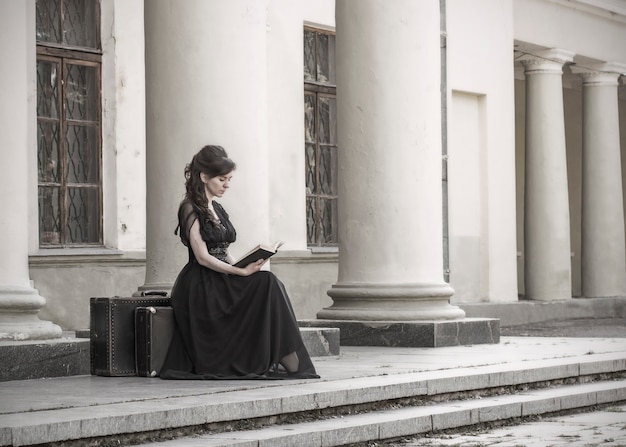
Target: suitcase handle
column 154, row 292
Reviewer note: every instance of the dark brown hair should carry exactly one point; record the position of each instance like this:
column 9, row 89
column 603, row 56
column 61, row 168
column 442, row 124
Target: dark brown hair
column 212, row 161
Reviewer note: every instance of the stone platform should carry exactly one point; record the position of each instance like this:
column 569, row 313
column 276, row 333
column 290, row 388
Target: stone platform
column 66, row 356
column 431, row 334
column 70, row 355
column 365, row 394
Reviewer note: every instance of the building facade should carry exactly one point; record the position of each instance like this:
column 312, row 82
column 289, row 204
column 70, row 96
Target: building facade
column 415, row 157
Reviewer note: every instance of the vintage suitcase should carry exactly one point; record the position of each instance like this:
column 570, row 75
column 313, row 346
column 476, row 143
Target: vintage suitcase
column 112, row 332
column 154, row 329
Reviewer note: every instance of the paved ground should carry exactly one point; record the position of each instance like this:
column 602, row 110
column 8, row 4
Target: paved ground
column 606, row 427
column 604, row 328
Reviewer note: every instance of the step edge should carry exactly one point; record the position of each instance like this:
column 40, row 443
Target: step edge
column 274, row 405
column 466, row 413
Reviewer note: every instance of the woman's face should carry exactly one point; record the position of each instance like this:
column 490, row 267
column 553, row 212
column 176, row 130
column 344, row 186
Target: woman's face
column 216, row 186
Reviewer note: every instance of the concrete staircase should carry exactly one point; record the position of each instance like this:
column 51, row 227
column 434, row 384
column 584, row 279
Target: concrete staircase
column 365, row 394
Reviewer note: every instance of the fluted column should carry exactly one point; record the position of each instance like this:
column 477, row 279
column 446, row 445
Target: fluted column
column 389, row 131
column 547, row 252
column 19, row 301
column 205, row 84
column 603, row 245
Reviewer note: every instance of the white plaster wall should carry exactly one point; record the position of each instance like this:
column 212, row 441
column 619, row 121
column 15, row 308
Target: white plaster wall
column 68, row 283
column 287, row 205
column 467, row 201
column 480, row 65
column 124, row 111
column 319, row 13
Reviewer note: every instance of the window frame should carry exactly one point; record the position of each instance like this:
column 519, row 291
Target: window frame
column 63, row 56
column 319, row 90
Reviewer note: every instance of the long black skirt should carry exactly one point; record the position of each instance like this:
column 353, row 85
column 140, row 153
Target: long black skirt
column 232, row 327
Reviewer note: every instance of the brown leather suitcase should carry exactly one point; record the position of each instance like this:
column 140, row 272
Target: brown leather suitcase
column 112, row 332
column 154, row 329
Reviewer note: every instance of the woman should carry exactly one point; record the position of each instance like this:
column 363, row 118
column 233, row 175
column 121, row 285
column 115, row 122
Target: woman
column 230, row 322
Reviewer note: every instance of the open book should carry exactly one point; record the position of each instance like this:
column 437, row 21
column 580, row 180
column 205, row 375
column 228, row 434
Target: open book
column 259, row 252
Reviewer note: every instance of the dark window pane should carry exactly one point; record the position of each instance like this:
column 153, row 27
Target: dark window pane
column 328, row 170
column 328, row 217
column 326, row 59
column 327, row 120
column 311, row 178
column 81, row 94
column 309, row 118
column 48, row 152
column 48, row 21
column 311, row 221
column 83, row 221
column 82, row 154
column 49, row 215
column 47, row 89
column 310, row 71
column 80, row 23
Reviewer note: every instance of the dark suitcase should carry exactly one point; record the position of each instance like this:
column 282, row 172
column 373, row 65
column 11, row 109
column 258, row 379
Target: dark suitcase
column 112, row 332
column 154, row 329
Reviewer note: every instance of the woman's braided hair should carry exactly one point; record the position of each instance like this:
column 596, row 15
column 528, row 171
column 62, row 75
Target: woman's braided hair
column 213, row 161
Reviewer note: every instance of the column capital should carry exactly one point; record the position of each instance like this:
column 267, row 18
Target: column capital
column 607, row 73
column 546, row 61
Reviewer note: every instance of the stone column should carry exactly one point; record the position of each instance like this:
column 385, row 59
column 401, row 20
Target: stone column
column 390, row 193
column 547, row 252
column 205, row 84
column 19, row 301
column 603, row 245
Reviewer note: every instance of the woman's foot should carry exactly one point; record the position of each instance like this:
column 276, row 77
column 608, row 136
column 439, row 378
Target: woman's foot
column 291, row 362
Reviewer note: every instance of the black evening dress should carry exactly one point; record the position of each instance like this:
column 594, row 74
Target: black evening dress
column 229, row 326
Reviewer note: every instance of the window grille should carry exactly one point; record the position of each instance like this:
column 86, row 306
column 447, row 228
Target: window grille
column 320, row 128
column 69, row 122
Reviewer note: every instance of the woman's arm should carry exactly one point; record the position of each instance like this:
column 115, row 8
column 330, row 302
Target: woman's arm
column 201, row 253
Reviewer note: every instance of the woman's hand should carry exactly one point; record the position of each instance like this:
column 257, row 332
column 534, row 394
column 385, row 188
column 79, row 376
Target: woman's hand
column 253, row 267
column 203, row 257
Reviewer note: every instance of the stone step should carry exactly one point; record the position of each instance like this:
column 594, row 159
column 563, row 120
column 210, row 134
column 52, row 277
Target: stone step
column 129, row 410
column 413, row 420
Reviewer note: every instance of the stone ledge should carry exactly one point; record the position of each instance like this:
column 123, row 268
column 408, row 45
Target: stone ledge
column 322, row 341
column 22, row 360
column 70, row 356
column 469, row 331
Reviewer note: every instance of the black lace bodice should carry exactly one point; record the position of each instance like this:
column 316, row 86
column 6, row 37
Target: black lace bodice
column 217, row 237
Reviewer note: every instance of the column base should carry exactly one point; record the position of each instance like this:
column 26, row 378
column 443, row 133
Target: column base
column 19, row 307
column 391, row 302
column 413, row 334
column 31, row 328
